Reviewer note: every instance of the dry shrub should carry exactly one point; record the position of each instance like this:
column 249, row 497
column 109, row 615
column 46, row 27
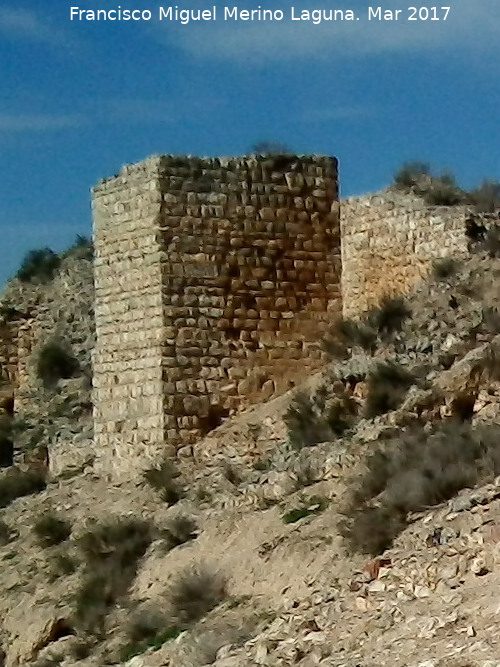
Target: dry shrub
column 55, row 362
column 5, row 533
column 390, row 315
column 486, row 197
column 62, row 564
column 305, row 429
column 18, row 483
column 112, row 551
column 181, row 529
column 39, row 266
column 492, row 242
column 387, row 387
column 348, row 333
column 147, row 628
column 444, row 268
column 195, row 593
column 311, row 420
column 51, row 529
column 164, row 479
column 436, row 190
column 412, row 472
column 411, row 173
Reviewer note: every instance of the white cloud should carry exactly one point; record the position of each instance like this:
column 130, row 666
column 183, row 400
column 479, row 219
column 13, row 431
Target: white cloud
column 327, row 113
column 138, row 110
column 14, row 123
column 25, row 25
column 142, row 110
column 471, row 26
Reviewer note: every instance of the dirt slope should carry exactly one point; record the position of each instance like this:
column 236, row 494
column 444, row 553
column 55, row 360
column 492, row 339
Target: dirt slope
column 265, row 518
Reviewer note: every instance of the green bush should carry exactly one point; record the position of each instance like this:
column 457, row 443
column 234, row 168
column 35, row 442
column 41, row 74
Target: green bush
column 387, row 387
column 18, row 483
column 54, row 363
column 195, row 593
column 412, row 472
column 51, row 529
column 39, row 266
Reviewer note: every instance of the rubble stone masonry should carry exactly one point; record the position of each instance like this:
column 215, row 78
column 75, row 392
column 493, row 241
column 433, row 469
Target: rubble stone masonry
column 215, row 279
column 389, row 244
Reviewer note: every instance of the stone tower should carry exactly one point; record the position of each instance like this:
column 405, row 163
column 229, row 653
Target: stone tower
column 215, row 279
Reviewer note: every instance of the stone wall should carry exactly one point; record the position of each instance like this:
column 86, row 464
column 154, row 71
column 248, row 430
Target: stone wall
column 215, row 280
column 389, row 243
column 9, row 358
column 129, row 314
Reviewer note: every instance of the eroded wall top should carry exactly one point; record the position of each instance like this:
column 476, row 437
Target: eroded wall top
column 389, row 242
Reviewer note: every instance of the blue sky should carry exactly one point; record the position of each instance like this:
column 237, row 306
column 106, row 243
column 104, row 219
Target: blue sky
column 80, row 99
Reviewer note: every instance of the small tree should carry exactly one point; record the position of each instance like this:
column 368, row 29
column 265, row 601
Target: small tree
column 39, row 266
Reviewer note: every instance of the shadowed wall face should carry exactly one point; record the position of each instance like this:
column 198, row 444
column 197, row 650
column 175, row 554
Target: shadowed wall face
column 214, row 282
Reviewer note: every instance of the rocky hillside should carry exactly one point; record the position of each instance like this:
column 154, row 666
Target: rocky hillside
column 351, row 522
column 61, row 298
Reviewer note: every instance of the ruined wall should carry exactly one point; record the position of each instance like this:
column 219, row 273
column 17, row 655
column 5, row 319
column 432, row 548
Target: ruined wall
column 9, row 380
column 214, row 282
column 16, row 341
column 389, row 243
